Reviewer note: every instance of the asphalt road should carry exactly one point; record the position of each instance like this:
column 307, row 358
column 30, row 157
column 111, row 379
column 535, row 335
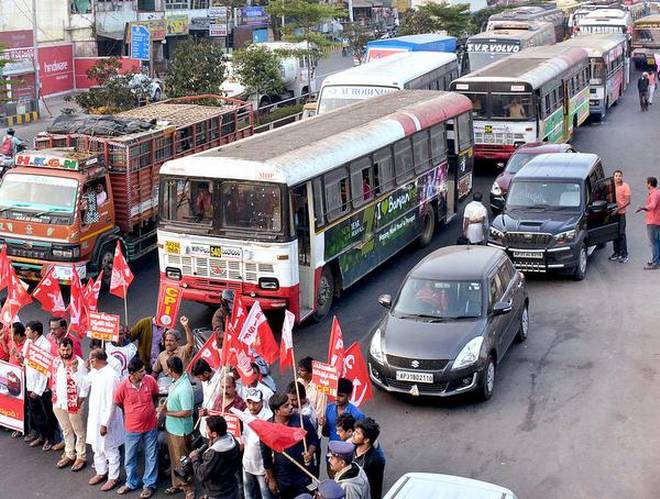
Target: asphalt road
column 575, row 410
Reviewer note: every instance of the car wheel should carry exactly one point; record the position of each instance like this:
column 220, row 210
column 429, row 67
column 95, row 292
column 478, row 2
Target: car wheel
column 487, row 383
column 580, row 271
column 428, row 229
column 324, row 295
column 523, row 331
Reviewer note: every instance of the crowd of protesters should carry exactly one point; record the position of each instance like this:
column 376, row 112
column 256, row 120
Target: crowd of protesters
column 148, row 391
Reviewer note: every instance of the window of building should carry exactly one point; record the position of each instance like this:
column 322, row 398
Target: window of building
column 200, row 4
column 177, row 4
column 146, row 5
column 81, row 6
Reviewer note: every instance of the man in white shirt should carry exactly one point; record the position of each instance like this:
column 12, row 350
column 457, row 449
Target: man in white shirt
column 122, row 352
column 105, row 423
column 211, row 389
column 39, row 397
column 101, row 195
column 475, row 220
column 71, row 390
column 254, row 474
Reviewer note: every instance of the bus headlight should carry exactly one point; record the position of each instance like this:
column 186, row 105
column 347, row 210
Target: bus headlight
column 269, row 283
column 173, row 273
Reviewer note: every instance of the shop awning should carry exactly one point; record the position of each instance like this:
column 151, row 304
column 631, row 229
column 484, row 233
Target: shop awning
column 113, row 35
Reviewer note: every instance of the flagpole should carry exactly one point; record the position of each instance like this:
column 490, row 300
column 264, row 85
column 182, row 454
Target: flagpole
column 295, row 382
column 125, row 300
column 305, row 470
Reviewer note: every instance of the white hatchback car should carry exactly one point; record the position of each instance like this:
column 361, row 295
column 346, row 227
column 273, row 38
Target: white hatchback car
column 437, row 486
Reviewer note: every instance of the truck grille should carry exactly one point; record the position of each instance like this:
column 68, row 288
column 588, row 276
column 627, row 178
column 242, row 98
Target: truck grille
column 498, row 138
column 41, row 254
column 528, row 239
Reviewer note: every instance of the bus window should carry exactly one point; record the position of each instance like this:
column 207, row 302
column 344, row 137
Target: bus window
column 336, row 193
column 464, row 132
column 512, row 106
column 319, row 213
column 403, row 161
column 361, row 181
column 438, row 144
column 479, row 108
column 383, row 170
column 421, row 151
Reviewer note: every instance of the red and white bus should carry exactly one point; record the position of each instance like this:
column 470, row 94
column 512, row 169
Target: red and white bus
column 293, row 216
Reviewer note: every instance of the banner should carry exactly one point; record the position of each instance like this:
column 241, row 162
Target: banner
column 12, row 396
column 325, row 378
column 104, row 327
column 39, row 359
column 169, row 301
column 233, row 423
column 177, row 25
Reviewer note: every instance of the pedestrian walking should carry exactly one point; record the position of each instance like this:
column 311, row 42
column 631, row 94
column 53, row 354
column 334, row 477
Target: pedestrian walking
column 475, row 220
column 652, row 81
column 369, row 455
column 622, row 189
column 652, row 209
column 70, row 391
column 254, row 473
column 643, row 90
column 348, row 474
column 136, row 396
column 105, row 424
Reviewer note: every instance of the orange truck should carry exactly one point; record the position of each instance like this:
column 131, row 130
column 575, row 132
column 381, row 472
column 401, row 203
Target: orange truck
column 67, row 203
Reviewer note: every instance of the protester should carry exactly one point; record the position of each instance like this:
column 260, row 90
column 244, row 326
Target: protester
column 122, row 351
column 70, row 391
column 345, row 424
column 178, row 422
column 217, row 469
column 622, row 189
column 258, row 383
column 347, row 473
column 651, row 86
column 172, row 348
column 57, row 330
column 339, row 407
column 475, row 220
column 211, row 389
column 228, row 397
column 285, row 479
column 254, row 474
column 137, row 396
column 652, row 209
column 105, row 425
column 39, row 396
column 149, row 336
column 643, row 90
column 305, row 409
column 369, row 457
column 304, row 372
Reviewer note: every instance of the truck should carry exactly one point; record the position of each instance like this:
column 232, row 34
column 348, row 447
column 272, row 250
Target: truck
column 66, row 203
column 377, row 49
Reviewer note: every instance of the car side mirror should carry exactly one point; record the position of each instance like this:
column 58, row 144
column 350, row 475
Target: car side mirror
column 502, row 307
column 597, row 206
column 385, row 300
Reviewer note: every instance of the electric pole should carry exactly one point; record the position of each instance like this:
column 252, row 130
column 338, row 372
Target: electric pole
column 35, row 55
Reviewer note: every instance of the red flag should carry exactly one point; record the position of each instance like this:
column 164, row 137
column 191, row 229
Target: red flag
column 256, row 333
column 228, row 351
column 277, row 436
column 17, row 298
column 238, row 314
column 77, row 306
column 122, row 277
column 244, row 367
column 336, row 345
column 209, row 352
column 286, row 343
column 355, row 369
column 92, row 291
column 5, row 264
column 49, row 294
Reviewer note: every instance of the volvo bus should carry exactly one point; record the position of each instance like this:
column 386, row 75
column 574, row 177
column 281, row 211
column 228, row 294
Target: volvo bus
column 646, row 41
column 610, row 69
column 304, row 211
column 411, row 70
column 605, row 21
column 490, row 46
column 532, row 13
column 540, row 94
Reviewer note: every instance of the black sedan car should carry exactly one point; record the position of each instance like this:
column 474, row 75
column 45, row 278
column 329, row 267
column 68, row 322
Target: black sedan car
column 455, row 316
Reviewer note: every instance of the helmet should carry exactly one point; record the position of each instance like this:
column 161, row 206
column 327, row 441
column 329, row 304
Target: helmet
column 227, row 296
column 10, row 131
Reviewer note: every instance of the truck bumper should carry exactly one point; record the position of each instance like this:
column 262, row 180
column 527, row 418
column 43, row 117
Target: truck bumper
column 34, row 270
column 487, row 151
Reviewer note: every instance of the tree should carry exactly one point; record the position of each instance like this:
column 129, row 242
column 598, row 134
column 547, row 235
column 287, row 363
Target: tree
column 257, row 68
column 357, row 36
column 456, row 20
column 3, row 61
column 197, row 68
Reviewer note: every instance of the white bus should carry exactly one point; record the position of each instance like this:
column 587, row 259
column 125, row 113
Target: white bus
column 410, row 70
column 295, row 215
column 605, row 21
column 490, row 46
column 529, row 14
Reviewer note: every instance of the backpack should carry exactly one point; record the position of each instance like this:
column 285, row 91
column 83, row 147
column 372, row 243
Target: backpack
column 7, row 146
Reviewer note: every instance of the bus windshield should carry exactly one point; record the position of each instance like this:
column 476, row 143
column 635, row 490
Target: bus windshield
column 502, row 106
column 597, row 68
column 39, row 193
column 336, row 96
column 646, row 36
column 480, row 59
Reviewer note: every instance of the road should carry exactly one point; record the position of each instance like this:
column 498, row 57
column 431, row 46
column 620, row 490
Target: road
column 574, row 413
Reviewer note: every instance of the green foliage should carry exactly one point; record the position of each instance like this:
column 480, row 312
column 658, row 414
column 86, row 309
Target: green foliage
column 258, row 69
column 456, row 20
column 197, row 68
column 302, row 17
column 357, row 36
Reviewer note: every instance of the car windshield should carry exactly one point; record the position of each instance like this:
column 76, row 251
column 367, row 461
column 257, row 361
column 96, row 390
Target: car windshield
column 39, row 193
column 440, row 300
column 543, row 194
column 517, row 161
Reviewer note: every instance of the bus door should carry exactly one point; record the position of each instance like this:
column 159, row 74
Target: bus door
column 301, row 206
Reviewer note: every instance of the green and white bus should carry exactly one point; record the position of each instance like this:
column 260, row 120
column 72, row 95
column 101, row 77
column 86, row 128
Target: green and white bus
column 540, row 94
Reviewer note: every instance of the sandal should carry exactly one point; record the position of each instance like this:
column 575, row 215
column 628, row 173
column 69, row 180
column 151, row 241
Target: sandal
column 125, row 489
column 78, row 465
column 146, row 493
column 172, row 491
column 16, row 434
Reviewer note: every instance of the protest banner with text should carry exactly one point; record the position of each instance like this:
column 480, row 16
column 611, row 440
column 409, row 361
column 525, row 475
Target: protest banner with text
column 12, row 396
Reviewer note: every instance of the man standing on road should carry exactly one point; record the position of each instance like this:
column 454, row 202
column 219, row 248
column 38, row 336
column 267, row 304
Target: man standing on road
column 149, row 336
column 57, row 331
column 622, row 202
column 304, row 371
column 339, row 407
column 368, row 456
column 172, row 348
column 346, row 472
column 254, row 474
column 137, row 396
column 475, row 219
column 652, row 209
column 643, row 89
column 105, row 425
column 71, row 390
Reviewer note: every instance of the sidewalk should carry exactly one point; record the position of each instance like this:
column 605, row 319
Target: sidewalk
column 52, row 109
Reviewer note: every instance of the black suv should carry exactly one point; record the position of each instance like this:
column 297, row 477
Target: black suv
column 559, row 208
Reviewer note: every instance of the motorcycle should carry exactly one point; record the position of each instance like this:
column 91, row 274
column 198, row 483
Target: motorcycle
column 7, row 162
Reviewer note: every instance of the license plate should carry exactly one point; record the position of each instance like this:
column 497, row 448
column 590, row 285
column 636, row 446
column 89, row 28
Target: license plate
column 414, row 377
column 173, row 247
column 528, row 254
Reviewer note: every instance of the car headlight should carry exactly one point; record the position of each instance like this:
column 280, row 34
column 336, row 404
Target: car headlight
column 470, row 353
column 496, row 235
column 376, row 348
column 496, row 190
column 566, row 237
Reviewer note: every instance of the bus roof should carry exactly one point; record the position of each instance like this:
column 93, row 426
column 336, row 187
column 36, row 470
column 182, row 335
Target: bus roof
column 652, row 19
column 524, row 12
column 421, row 39
column 596, row 44
column 300, row 151
column 534, row 65
column 392, row 70
column 601, row 15
column 510, row 34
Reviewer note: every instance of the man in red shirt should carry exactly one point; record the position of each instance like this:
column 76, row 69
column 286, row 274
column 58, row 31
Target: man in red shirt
column 57, row 331
column 137, row 396
column 652, row 209
column 622, row 202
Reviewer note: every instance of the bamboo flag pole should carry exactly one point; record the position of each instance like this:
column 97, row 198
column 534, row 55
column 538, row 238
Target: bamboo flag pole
column 295, row 383
column 305, row 470
column 125, row 300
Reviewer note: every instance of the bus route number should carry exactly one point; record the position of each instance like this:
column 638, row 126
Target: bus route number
column 173, row 247
column 216, row 251
column 488, row 128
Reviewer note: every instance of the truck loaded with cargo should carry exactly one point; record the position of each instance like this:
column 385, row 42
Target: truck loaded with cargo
column 93, row 181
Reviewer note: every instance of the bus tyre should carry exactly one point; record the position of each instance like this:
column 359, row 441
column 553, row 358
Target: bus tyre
column 324, row 294
column 428, row 227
